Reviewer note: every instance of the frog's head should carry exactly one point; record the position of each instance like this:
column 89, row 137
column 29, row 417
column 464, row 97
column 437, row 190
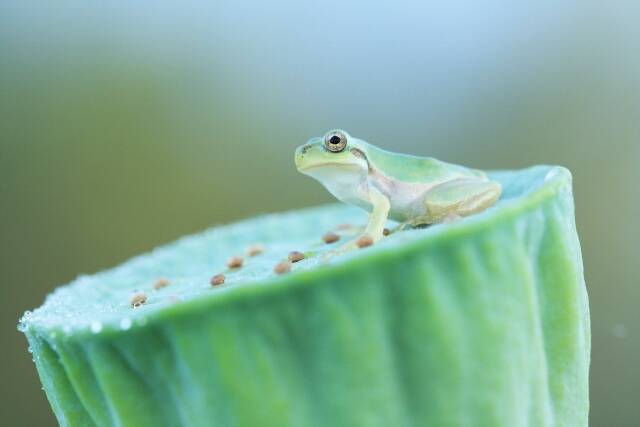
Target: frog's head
column 335, row 154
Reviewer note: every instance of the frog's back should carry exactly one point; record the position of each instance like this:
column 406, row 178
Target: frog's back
column 419, row 169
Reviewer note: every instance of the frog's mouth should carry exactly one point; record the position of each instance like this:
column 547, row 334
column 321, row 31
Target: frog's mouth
column 328, row 166
column 322, row 165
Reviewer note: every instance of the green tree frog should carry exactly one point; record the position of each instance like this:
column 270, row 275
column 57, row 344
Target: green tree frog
column 409, row 189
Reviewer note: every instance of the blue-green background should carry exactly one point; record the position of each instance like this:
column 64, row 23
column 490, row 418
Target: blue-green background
column 124, row 125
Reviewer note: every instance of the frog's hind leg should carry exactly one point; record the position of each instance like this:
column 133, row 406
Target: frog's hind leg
column 460, row 198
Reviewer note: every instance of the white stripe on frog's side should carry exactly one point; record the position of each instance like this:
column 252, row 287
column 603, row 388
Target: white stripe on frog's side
column 406, row 198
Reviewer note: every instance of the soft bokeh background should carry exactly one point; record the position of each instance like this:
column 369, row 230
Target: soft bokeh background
column 124, row 125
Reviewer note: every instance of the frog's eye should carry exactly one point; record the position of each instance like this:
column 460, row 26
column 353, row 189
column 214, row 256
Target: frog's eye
column 335, row 142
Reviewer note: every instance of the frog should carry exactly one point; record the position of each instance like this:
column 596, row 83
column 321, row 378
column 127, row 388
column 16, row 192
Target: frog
column 411, row 190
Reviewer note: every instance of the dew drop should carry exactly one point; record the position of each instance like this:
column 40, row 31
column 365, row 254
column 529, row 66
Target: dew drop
column 96, row 327
column 125, row 324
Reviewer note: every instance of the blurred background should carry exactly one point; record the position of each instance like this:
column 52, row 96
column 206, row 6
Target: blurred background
column 124, row 125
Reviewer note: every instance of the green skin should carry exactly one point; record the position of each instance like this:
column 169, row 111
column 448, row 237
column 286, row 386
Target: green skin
column 408, row 189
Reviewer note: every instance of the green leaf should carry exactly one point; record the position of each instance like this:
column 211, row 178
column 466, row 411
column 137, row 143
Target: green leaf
column 483, row 322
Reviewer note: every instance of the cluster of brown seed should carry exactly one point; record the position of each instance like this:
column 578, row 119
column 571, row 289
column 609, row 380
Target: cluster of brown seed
column 139, row 298
column 236, row 262
column 285, row 266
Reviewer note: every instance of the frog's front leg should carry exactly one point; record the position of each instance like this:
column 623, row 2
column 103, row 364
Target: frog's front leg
column 379, row 214
column 375, row 227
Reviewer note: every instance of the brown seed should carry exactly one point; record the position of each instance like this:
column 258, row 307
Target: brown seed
column 344, row 227
column 386, row 232
column 364, row 241
column 235, row 262
column 330, row 238
column 282, row 268
column 255, row 249
column 161, row 283
column 296, row 256
column 137, row 299
column 218, row 279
